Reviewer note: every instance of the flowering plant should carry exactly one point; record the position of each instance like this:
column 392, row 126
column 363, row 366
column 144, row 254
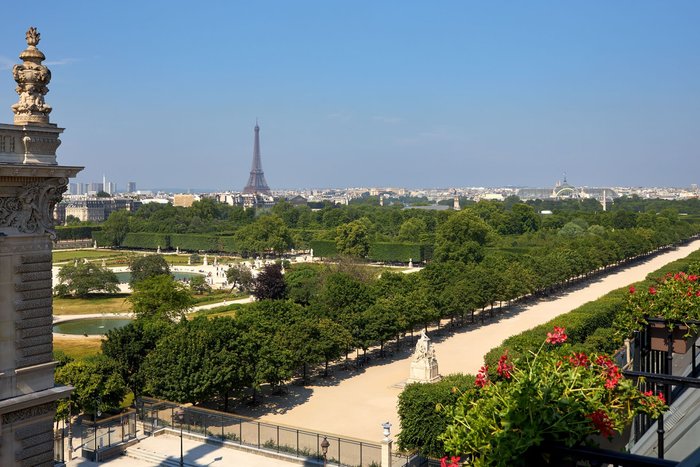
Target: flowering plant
column 674, row 298
column 552, row 395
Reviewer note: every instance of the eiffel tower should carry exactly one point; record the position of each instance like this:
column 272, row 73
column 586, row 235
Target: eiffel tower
column 256, row 181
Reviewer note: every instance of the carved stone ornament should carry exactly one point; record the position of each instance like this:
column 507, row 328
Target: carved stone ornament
column 29, row 412
column 32, row 79
column 31, row 210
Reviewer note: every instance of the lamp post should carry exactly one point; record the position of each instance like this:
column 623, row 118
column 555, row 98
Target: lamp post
column 324, row 449
column 180, row 414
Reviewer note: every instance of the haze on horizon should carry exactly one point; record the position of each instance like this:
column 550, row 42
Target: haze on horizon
column 364, row 93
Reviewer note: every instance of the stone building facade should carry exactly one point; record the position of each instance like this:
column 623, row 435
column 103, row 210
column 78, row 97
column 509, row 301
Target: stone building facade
column 31, row 183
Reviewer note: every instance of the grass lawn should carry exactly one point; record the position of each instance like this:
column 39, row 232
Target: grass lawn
column 62, row 256
column 225, row 310
column 78, row 348
column 95, row 303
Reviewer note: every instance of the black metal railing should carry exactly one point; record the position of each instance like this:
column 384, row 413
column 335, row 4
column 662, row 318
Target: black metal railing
column 228, row 428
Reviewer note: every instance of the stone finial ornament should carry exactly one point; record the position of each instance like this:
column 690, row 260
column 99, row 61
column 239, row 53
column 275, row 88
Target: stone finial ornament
column 32, row 79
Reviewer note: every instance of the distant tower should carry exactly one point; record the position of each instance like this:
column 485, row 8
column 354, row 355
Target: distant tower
column 256, row 181
column 455, row 204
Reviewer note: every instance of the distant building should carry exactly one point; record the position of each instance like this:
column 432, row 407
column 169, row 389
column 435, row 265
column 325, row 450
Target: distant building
column 95, row 187
column 93, row 209
column 184, row 201
column 131, row 187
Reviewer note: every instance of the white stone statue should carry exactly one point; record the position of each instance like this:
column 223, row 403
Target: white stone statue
column 158, row 249
column 424, row 366
column 206, row 260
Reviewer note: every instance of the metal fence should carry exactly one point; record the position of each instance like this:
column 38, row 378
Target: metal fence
column 101, row 436
column 234, row 429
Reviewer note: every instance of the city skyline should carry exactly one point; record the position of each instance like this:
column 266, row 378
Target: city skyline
column 460, row 94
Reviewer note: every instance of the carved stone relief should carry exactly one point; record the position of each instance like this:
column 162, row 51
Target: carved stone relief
column 31, row 210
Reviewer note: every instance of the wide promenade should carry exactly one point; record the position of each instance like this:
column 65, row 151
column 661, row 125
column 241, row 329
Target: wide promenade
column 355, row 404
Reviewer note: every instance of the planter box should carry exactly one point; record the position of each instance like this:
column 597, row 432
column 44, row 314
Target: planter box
column 658, row 334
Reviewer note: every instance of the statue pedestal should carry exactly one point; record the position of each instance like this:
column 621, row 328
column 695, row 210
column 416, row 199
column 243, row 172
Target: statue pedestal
column 424, row 366
column 424, row 371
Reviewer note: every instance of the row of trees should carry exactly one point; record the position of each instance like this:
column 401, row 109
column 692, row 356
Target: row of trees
column 316, row 314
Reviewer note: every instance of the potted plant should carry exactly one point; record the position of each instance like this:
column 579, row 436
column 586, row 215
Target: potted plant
column 554, row 395
column 671, row 307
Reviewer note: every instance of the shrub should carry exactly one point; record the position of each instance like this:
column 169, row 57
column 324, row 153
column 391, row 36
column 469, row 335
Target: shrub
column 146, row 240
column 193, row 242
column 421, row 423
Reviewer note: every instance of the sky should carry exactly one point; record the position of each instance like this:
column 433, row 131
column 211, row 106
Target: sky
column 369, row 93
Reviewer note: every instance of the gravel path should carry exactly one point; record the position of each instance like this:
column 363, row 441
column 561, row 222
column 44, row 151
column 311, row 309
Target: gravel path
column 355, row 403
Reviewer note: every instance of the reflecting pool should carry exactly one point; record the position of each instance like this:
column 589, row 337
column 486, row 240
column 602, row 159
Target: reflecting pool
column 90, row 326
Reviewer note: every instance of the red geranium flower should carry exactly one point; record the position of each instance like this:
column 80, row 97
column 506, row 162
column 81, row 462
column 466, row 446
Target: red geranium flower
column 557, row 337
column 504, row 368
column 482, row 378
column 632, row 289
column 652, row 290
column 603, row 423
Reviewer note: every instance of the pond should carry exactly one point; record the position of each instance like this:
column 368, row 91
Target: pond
column 90, row 326
column 125, row 277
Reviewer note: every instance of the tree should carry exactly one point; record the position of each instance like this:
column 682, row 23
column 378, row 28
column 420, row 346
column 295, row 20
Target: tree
column 116, row 227
column 267, row 233
column 148, row 266
column 103, row 194
column 82, row 278
column 412, row 229
column 240, row 277
column 462, row 238
column 160, row 296
column 303, row 282
column 352, row 239
column 98, row 384
column 197, row 361
column 269, row 285
column 198, row 285
column 72, row 220
column 128, row 346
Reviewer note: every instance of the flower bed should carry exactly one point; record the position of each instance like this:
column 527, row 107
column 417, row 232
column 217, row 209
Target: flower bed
column 554, row 395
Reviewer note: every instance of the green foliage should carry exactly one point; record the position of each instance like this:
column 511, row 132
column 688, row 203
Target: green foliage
column 267, row 233
column 97, row 382
column 116, row 227
column 395, row 252
column 228, row 245
column 552, row 396
column 323, row 248
column 462, row 238
column 198, row 360
column 160, row 296
column 240, row 277
column 198, row 285
column 82, row 278
column 421, row 421
column 194, row 242
column 352, row 239
column 144, row 267
column 77, row 232
column 303, row 282
column 128, row 346
column 146, row 240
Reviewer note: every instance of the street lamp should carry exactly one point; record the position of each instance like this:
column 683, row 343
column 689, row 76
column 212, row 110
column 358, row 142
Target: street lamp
column 180, row 414
column 324, row 449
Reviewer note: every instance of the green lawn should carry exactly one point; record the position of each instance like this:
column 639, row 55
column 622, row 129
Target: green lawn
column 63, row 256
column 95, row 303
column 78, row 348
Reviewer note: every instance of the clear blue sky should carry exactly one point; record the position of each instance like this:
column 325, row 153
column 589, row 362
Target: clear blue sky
column 370, row 93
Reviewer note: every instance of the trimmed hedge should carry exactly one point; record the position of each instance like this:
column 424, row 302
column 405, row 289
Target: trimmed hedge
column 146, row 240
column 227, row 244
column 421, row 423
column 587, row 326
column 77, row 232
column 194, row 242
column 323, row 248
column 395, row 252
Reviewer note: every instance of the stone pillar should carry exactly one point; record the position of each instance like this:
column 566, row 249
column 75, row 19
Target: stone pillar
column 30, row 186
column 386, row 451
